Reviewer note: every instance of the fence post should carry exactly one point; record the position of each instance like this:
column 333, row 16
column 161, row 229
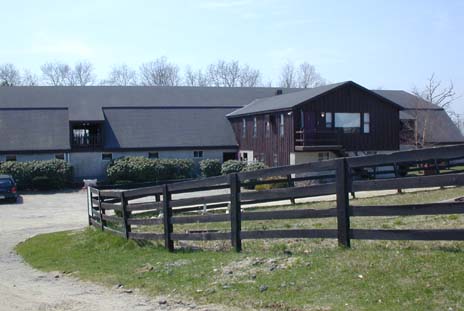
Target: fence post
column 125, row 216
column 291, row 184
column 167, row 213
column 235, row 212
column 101, row 212
column 343, row 216
column 89, row 205
column 397, row 174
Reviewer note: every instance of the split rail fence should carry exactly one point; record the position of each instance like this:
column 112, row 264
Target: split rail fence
column 168, row 205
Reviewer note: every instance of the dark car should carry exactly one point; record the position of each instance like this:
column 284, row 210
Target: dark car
column 8, row 188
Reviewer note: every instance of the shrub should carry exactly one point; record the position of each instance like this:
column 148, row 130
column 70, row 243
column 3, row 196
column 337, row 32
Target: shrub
column 254, row 166
column 282, row 184
column 44, row 183
column 232, row 166
column 42, row 175
column 251, row 184
column 210, row 167
column 140, row 169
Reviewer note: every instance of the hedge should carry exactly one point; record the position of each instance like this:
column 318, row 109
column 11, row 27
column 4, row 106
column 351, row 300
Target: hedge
column 210, row 167
column 140, row 169
column 232, row 166
column 41, row 175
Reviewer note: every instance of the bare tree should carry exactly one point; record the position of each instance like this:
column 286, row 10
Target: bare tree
column 29, row 78
column 9, row 75
column 121, row 75
column 249, row 77
column 287, row 76
column 57, row 74
column 83, row 74
column 224, row 74
column 436, row 94
column 160, row 73
column 308, row 76
column 195, row 78
column 415, row 131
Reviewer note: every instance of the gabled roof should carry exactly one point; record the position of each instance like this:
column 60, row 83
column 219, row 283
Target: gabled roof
column 149, row 127
column 290, row 100
column 439, row 128
column 34, row 129
column 284, row 101
column 85, row 103
column 406, row 100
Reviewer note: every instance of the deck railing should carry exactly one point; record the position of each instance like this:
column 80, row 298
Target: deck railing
column 316, row 137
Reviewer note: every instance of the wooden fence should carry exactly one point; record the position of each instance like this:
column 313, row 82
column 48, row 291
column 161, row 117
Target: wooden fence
column 165, row 206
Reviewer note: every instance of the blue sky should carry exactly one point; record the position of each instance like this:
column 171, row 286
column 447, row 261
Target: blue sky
column 387, row 44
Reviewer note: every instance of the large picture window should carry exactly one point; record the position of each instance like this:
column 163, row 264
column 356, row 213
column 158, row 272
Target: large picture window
column 349, row 122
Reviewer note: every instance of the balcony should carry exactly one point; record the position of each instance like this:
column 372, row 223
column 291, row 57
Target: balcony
column 86, row 138
column 317, row 140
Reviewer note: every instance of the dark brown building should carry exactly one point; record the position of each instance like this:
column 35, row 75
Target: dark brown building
column 317, row 123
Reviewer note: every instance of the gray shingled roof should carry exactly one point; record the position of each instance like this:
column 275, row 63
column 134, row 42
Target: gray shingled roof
column 439, row 126
column 285, row 101
column 290, row 100
column 406, row 100
column 167, row 127
column 85, row 103
column 34, row 129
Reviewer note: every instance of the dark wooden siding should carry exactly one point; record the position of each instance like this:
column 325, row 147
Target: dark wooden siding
column 384, row 118
column 267, row 146
column 384, row 125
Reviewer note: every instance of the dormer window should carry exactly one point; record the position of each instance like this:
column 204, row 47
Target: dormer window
column 86, row 136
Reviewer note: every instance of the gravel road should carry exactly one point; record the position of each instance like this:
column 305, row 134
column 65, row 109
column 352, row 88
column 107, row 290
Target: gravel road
column 24, row 288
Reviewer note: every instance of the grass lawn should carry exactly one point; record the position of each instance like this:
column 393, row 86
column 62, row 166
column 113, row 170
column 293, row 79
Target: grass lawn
column 290, row 274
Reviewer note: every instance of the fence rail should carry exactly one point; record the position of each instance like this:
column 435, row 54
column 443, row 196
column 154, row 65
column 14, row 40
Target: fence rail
column 166, row 206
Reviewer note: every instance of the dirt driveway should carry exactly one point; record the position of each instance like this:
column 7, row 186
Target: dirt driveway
column 24, row 288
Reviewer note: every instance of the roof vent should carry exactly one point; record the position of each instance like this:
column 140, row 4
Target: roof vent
column 279, row 92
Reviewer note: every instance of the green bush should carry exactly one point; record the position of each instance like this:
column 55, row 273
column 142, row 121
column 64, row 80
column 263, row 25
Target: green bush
column 42, row 175
column 140, row 169
column 232, row 166
column 250, row 184
column 277, row 185
column 254, row 166
column 210, row 167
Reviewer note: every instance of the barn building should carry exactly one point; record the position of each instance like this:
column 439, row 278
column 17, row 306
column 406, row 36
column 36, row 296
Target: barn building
column 90, row 126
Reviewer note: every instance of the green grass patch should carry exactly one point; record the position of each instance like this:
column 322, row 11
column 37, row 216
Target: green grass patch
column 299, row 274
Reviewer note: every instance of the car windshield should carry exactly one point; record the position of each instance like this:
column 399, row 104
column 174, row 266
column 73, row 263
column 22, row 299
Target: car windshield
column 5, row 182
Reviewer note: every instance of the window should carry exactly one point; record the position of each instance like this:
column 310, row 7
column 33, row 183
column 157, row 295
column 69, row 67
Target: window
column 276, row 159
column 198, row 154
column 153, row 155
column 268, row 128
column 367, row 123
column 243, row 127
column 255, row 127
column 349, row 122
column 328, row 120
column 282, row 125
column 59, row 156
column 302, row 123
column 85, row 135
column 10, row 157
column 226, row 156
column 107, row 156
column 323, row 156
